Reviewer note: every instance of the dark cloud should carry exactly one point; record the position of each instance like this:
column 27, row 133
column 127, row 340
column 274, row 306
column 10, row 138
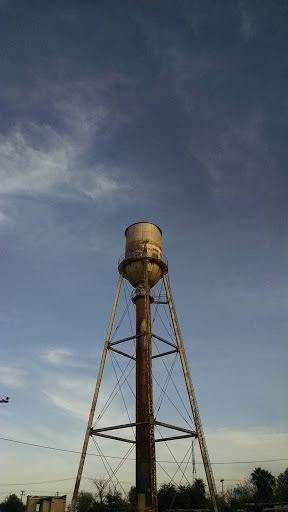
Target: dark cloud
column 160, row 90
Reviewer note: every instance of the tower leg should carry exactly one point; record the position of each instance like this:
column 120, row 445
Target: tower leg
column 94, row 401
column 192, row 398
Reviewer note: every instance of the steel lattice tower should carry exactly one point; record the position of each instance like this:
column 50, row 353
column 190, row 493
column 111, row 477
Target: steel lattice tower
column 143, row 266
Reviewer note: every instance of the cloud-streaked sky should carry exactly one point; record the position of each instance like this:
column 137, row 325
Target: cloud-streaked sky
column 116, row 112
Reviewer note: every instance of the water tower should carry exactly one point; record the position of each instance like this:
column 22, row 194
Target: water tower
column 143, row 265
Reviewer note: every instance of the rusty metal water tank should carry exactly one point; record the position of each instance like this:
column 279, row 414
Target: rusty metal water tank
column 143, row 247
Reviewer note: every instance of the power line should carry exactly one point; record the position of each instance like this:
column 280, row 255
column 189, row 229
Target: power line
column 46, row 482
column 48, row 447
column 60, row 480
column 114, row 457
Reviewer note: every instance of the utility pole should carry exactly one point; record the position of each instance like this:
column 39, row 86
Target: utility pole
column 193, row 462
column 22, row 494
column 222, row 482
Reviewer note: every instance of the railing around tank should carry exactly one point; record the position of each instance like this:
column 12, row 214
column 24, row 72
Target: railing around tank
column 162, row 262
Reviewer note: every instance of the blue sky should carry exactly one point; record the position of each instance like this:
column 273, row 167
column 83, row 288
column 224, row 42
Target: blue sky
column 169, row 112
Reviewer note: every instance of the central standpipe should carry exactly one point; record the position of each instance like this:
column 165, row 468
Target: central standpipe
column 145, row 442
column 143, row 267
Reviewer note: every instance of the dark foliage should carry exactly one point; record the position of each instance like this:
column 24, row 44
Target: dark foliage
column 85, row 502
column 238, row 497
column 264, row 482
column 132, row 499
column 166, row 497
column 12, row 504
column 102, row 501
column 281, row 490
column 182, row 497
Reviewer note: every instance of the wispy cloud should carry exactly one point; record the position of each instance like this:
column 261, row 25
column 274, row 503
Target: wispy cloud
column 97, row 184
column 73, row 406
column 37, row 160
column 79, row 107
column 28, row 170
column 74, row 395
column 56, row 356
column 49, row 168
column 11, row 376
column 71, row 395
column 234, row 158
column 4, row 219
column 258, row 443
column 66, row 358
column 246, row 23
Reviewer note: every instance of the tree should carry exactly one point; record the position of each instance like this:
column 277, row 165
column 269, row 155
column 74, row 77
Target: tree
column 12, row 504
column 264, row 482
column 281, row 490
column 183, row 496
column 85, row 502
column 100, row 485
column 199, row 494
column 191, row 496
column 114, row 501
column 238, row 497
column 166, row 496
column 107, row 500
column 132, row 499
